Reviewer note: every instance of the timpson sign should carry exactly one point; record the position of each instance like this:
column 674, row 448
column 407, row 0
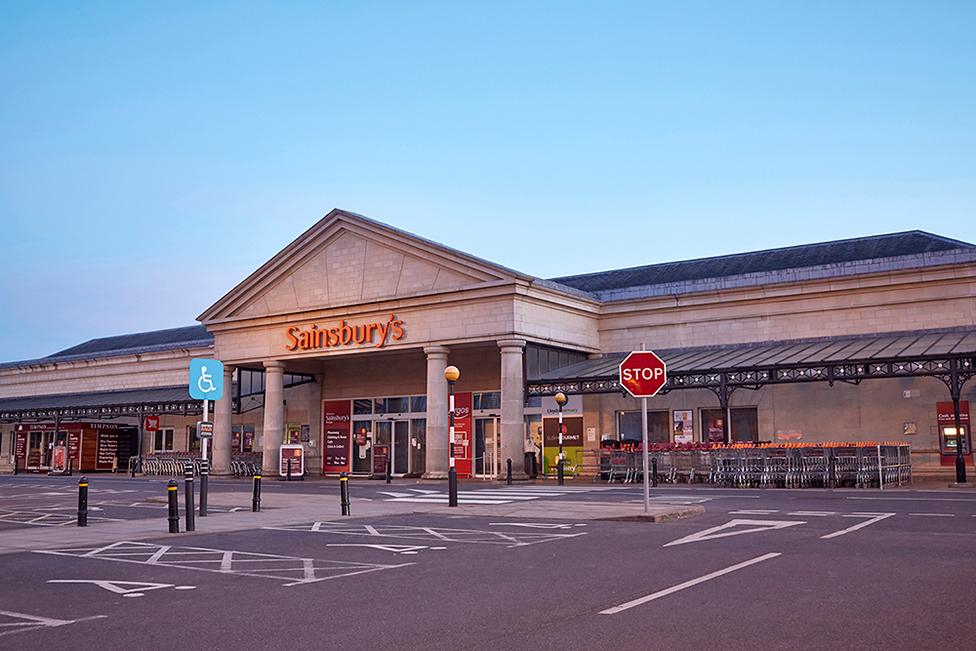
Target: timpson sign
column 312, row 337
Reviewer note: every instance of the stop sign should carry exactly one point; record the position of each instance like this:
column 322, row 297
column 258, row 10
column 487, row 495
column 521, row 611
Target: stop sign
column 643, row 374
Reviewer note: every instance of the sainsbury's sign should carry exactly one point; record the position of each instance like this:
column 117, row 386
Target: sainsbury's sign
column 313, row 337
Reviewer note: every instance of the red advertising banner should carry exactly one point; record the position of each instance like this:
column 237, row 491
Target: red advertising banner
column 463, row 428
column 336, row 417
column 296, row 455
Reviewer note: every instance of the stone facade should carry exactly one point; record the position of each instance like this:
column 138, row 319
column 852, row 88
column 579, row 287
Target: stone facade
column 457, row 309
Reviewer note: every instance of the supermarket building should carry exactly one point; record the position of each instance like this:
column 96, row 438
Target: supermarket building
column 339, row 343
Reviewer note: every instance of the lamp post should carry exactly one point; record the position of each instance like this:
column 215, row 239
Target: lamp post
column 451, row 374
column 561, row 400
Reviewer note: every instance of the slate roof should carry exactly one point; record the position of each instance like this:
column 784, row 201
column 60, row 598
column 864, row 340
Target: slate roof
column 907, row 243
column 132, row 344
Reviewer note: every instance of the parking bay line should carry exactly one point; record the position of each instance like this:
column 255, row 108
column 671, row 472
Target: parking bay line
column 688, row 584
column 873, row 517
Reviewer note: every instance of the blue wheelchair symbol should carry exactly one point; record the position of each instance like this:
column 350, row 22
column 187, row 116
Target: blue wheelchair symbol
column 206, row 379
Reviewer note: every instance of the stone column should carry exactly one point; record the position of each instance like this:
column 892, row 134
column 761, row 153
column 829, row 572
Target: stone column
column 437, row 444
column 513, row 407
column 223, row 412
column 274, row 415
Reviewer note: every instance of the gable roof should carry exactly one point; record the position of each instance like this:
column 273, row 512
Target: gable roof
column 305, row 252
column 836, row 252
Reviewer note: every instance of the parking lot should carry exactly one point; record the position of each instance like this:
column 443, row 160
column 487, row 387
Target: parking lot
column 782, row 569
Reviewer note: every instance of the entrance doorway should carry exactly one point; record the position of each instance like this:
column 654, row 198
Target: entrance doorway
column 38, row 450
column 487, row 448
column 396, row 434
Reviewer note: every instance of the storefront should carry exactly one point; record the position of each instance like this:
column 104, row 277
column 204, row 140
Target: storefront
column 338, row 345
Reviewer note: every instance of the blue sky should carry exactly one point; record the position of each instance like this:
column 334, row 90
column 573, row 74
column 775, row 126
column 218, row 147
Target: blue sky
column 154, row 154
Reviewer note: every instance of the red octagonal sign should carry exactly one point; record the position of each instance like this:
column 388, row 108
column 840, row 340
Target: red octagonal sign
column 643, row 374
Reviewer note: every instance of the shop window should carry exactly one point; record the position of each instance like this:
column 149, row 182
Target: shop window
column 488, row 400
column 391, row 405
column 363, row 406
column 242, row 438
column 745, row 424
column 191, row 437
column 418, row 404
column 658, row 426
column 163, row 440
column 533, row 402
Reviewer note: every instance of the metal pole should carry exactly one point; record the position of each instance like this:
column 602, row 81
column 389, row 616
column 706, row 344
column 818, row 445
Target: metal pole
column 956, row 390
column 508, row 472
column 452, row 499
column 256, row 495
column 174, row 506
column 647, row 479
column 344, row 492
column 880, row 470
column 288, row 475
column 559, row 461
column 188, row 487
column 83, row 502
column 204, row 481
column 204, row 443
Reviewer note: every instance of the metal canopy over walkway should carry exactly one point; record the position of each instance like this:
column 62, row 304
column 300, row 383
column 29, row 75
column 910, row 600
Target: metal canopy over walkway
column 949, row 355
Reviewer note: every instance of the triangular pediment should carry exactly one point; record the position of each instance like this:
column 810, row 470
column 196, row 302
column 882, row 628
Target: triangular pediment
column 347, row 259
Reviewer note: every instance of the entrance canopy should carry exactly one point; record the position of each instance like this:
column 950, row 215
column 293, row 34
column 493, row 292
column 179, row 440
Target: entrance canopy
column 949, row 355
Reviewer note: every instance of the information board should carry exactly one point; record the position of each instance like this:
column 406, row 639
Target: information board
column 295, row 453
column 336, row 426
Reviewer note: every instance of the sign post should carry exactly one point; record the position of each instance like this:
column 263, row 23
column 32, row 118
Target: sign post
column 643, row 374
column 206, row 383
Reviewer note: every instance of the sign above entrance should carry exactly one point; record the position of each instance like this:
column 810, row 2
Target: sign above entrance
column 206, row 379
column 312, row 337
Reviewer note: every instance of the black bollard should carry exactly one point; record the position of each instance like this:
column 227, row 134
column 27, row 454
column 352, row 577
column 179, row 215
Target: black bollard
column 559, row 470
column 832, row 470
column 653, row 471
column 508, row 471
column 389, row 474
column 204, row 486
column 256, row 496
column 288, row 475
column 83, row 502
column 344, row 492
column 174, row 507
column 188, row 487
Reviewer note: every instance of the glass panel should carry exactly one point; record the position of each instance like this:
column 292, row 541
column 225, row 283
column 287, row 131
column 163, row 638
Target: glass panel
column 401, row 447
column 418, row 445
column 745, row 424
column 360, row 447
column 711, row 425
column 362, row 406
column 397, row 405
column 492, row 400
column 533, row 402
column 418, row 404
column 248, row 442
column 658, row 429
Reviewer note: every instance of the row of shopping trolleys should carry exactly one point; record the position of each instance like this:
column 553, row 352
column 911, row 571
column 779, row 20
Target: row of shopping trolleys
column 766, row 467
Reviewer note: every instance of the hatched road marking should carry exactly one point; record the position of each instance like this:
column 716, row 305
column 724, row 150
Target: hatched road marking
column 439, row 534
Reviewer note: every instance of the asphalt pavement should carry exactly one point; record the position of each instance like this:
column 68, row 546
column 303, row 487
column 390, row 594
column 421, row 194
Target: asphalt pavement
column 779, row 569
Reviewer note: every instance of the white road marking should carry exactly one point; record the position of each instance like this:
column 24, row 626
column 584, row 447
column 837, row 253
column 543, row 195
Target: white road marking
column 754, row 512
column 34, row 622
column 873, row 517
column 531, row 525
column 815, row 514
column 935, row 515
column 729, row 529
column 396, row 549
column 395, row 494
column 437, row 534
column 221, row 561
column 688, row 584
column 135, row 589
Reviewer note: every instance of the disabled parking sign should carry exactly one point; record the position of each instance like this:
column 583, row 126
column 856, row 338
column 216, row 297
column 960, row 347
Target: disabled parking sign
column 206, row 379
